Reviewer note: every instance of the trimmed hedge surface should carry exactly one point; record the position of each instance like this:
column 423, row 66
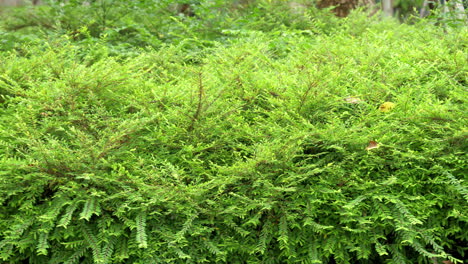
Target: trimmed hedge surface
column 269, row 148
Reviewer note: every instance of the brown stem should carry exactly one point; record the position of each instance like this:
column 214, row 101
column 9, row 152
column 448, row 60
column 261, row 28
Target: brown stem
column 306, row 94
column 201, row 94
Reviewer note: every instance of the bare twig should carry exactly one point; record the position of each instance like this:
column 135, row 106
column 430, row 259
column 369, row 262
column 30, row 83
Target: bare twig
column 201, row 94
column 306, row 94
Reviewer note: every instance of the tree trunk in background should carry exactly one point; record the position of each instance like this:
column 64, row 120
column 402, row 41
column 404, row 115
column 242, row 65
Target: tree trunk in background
column 10, row 2
column 342, row 7
column 460, row 10
column 17, row 2
column 387, row 7
column 455, row 6
column 424, row 12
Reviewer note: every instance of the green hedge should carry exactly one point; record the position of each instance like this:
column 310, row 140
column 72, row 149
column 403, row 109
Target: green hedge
column 250, row 152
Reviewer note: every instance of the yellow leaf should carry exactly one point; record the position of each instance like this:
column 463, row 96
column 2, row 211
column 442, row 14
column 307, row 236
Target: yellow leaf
column 386, row 107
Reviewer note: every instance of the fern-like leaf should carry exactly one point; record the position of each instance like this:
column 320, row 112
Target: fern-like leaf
column 381, row 249
column 239, row 230
column 265, row 237
column 316, row 227
column 91, row 207
column 141, row 230
column 185, row 228
column 457, row 184
column 121, row 252
column 107, row 250
column 54, row 210
column 42, row 244
column 397, row 256
column 92, row 242
column 75, row 257
column 66, row 218
column 404, row 211
column 313, row 253
column 6, row 249
column 16, row 231
column 283, row 238
column 212, row 248
column 181, row 254
column 355, row 202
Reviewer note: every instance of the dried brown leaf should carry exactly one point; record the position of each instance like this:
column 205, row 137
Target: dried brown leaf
column 372, row 145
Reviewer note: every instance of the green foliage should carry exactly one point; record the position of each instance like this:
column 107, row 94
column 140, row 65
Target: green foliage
column 126, row 27
column 234, row 144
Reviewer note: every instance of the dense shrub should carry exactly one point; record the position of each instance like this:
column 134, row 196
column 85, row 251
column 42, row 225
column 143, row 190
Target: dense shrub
column 126, row 26
column 251, row 149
